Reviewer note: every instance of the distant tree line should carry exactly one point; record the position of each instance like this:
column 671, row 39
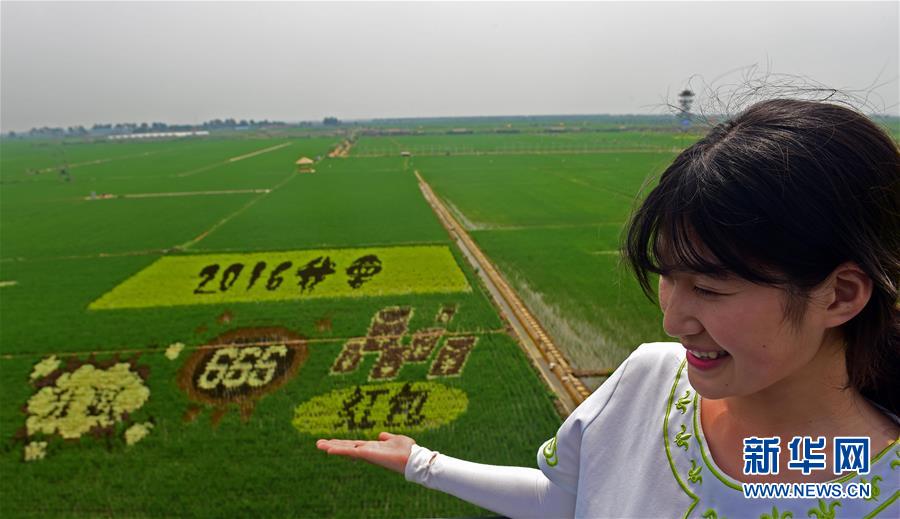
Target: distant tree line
column 104, row 129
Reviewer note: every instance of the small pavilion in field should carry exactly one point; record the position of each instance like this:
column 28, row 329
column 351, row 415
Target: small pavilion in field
column 305, row 165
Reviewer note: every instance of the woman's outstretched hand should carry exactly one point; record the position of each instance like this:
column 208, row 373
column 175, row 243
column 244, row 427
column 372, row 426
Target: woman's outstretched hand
column 390, row 451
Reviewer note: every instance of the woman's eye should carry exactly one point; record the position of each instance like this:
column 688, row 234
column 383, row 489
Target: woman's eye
column 706, row 293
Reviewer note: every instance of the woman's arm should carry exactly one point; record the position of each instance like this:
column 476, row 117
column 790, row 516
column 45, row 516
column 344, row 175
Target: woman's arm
column 510, row 491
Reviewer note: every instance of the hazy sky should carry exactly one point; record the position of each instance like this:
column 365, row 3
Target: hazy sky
column 75, row 63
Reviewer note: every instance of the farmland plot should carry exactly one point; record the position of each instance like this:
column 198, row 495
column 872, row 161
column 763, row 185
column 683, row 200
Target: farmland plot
column 522, row 143
column 180, row 355
column 552, row 224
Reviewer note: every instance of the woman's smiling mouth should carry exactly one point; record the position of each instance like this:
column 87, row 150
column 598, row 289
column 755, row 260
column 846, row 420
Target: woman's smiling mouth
column 708, row 354
column 701, row 359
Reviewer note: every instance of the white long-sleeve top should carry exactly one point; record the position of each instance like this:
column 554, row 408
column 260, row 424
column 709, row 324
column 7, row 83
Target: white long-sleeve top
column 510, row 491
column 641, row 454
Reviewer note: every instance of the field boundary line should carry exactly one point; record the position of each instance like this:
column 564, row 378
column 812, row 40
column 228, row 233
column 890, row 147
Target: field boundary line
column 208, row 167
column 146, row 252
column 546, row 226
column 318, row 246
column 365, row 154
column 467, row 224
column 201, row 169
column 100, row 161
column 223, row 221
column 160, row 349
column 259, row 152
column 154, row 252
column 182, row 193
column 593, row 187
column 534, row 340
column 75, row 165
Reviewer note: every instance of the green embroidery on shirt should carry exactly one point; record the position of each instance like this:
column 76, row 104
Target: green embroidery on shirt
column 682, row 437
column 776, row 515
column 667, row 445
column 883, row 506
column 682, row 403
column 684, row 476
column 875, row 490
column 694, row 474
column 698, row 403
column 550, row 453
column 824, row 511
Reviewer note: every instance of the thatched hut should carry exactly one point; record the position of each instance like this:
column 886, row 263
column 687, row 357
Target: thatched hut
column 305, row 165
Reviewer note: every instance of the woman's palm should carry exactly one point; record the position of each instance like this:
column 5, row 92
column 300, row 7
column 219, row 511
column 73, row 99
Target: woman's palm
column 390, row 451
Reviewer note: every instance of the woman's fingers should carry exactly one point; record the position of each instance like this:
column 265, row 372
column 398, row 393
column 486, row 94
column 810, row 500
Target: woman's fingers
column 390, row 450
column 351, row 452
column 343, row 443
column 343, row 447
column 324, row 444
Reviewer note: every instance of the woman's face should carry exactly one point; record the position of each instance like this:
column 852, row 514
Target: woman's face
column 758, row 348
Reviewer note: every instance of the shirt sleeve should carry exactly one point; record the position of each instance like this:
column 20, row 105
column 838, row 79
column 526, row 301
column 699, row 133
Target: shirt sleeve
column 509, row 491
column 558, row 458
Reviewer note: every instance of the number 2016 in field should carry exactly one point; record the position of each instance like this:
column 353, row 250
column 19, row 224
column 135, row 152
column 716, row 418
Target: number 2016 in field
column 309, row 275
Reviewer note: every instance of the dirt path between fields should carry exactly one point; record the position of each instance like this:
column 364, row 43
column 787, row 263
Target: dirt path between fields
column 420, row 153
column 342, row 150
column 260, row 152
column 107, row 196
column 208, row 167
column 99, row 161
column 549, row 361
column 602, row 189
column 223, row 221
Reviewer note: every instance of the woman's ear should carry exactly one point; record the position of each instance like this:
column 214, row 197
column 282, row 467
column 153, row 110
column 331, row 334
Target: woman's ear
column 846, row 292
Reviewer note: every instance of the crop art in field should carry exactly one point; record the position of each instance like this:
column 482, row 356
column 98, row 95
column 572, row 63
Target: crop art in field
column 292, row 275
column 367, row 410
column 241, row 366
column 385, row 337
column 84, row 398
column 400, row 406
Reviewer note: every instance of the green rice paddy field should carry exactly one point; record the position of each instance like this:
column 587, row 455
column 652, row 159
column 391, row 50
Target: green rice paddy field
column 552, row 223
column 182, row 319
column 522, row 143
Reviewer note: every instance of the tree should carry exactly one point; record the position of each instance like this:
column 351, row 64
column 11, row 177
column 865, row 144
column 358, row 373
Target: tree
column 330, row 121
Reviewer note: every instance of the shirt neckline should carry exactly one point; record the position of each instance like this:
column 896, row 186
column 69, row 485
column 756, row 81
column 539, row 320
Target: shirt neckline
column 735, row 484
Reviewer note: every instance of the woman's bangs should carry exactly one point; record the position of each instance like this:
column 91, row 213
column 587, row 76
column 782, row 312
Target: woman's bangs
column 679, row 229
column 680, row 246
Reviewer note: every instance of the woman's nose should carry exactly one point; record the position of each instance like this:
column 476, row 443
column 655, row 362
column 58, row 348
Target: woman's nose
column 679, row 319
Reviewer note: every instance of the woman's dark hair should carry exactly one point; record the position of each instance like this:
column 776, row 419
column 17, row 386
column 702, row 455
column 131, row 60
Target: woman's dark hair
column 781, row 195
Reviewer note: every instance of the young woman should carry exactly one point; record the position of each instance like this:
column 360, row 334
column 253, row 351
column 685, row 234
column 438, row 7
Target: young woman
column 776, row 239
